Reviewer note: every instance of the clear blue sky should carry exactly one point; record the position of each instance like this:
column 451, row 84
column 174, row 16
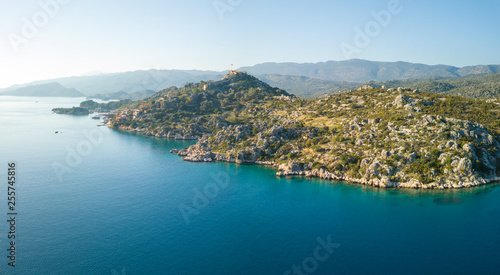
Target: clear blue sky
column 81, row 36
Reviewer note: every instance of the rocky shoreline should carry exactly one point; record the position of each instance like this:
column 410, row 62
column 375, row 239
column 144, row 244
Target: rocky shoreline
column 194, row 154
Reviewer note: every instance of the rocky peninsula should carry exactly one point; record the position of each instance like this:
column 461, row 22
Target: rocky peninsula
column 388, row 138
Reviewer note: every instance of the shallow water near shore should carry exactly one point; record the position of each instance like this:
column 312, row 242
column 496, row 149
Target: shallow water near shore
column 96, row 201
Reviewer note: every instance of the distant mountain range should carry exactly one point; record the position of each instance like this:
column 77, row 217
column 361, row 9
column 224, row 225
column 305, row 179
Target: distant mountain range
column 356, row 70
column 49, row 89
column 302, row 79
column 128, row 82
column 306, row 87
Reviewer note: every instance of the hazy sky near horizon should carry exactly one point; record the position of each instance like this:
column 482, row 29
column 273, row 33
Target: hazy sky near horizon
column 43, row 39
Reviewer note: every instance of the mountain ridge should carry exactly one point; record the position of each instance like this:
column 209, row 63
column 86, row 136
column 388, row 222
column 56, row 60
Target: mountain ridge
column 129, row 82
column 359, row 70
column 51, row 89
column 352, row 71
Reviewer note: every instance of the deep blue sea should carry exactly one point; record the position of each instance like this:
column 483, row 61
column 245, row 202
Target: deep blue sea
column 91, row 200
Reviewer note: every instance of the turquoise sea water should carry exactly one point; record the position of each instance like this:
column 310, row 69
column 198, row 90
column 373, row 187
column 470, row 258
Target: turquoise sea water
column 114, row 202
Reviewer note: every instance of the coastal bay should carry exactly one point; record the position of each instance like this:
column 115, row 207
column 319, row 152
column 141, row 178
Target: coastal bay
column 119, row 209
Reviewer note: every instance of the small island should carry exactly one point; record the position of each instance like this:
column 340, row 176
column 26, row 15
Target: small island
column 76, row 111
column 90, row 105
